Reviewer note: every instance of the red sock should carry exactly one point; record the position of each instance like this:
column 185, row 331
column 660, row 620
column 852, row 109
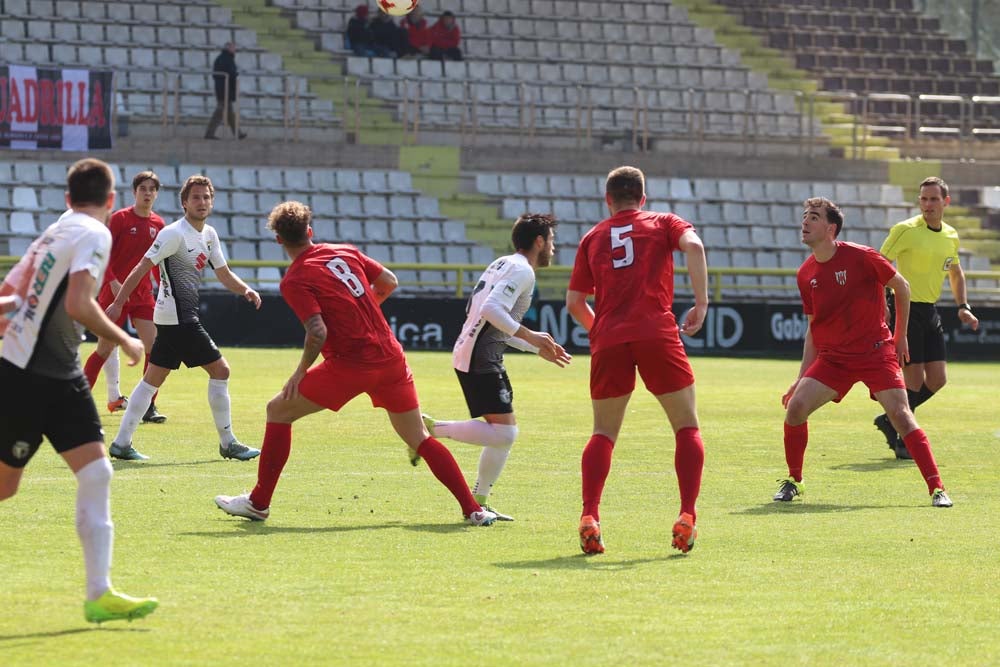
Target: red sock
column 92, row 369
column 595, row 466
column 446, row 469
column 796, row 439
column 145, row 365
column 273, row 456
column 920, row 449
column 689, row 460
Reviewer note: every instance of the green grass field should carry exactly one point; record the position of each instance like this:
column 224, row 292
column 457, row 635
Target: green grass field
column 365, row 560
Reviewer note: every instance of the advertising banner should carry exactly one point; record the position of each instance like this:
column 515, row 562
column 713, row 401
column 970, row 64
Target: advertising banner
column 61, row 108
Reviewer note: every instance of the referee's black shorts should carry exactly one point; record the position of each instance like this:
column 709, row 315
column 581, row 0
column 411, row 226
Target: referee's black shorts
column 33, row 406
column 188, row 343
column 925, row 334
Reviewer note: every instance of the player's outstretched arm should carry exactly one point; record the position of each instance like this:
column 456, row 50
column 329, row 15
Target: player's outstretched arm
column 901, row 290
column 114, row 311
column 81, row 306
column 235, row 284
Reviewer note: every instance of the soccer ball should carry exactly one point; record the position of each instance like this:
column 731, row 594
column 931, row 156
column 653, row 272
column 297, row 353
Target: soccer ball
column 397, row 7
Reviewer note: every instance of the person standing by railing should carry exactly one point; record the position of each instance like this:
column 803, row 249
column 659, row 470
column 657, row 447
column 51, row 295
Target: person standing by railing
column 225, row 74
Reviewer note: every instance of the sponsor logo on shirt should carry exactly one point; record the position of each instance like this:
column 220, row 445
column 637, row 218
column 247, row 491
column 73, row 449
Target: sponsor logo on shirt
column 133, row 231
column 201, row 261
column 841, row 277
column 509, row 289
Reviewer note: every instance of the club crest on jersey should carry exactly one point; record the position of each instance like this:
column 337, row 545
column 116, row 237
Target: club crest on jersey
column 152, row 233
column 841, row 277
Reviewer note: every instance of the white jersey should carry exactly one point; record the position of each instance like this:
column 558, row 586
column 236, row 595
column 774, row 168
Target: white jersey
column 182, row 253
column 509, row 281
column 43, row 338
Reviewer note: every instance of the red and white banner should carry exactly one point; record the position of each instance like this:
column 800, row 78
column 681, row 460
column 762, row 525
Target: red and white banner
column 68, row 109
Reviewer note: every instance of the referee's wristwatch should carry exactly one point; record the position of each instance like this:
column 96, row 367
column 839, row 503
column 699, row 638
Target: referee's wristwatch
column 965, row 306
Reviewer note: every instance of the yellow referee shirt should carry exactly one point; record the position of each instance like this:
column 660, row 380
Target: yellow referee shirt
column 922, row 255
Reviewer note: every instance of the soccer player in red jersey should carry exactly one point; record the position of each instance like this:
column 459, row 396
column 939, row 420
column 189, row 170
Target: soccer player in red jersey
column 626, row 261
column 847, row 341
column 132, row 232
column 335, row 291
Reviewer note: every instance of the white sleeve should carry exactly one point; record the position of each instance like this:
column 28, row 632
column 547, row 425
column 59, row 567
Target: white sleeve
column 522, row 345
column 509, row 288
column 215, row 256
column 496, row 314
column 91, row 252
column 166, row 243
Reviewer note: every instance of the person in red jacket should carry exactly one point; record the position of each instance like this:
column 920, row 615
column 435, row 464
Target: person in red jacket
column 445, row 38
column 418, row 33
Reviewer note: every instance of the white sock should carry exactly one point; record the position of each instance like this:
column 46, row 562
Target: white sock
column 138, row 403
column 491, row 463
column 476, row 432
column 93, row 524
column 218, row 400
column 112, row 375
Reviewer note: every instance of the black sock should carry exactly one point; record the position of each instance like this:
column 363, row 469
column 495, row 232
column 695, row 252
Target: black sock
column 917, row 398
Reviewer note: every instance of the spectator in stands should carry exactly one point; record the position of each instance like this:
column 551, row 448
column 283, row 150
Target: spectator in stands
column 925, row 249
column 418, row 33
column 389, row 40
column 359, row 32
column 224, row 71
column 445, row 38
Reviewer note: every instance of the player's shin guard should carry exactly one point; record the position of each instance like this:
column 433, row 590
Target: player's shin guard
column 112, row 375
column 273, row 456
column 443, row 465
column 93, row 524
column 218, row 400
column 689, row 460
column 796, row 439
column 595, row 464
column 138, row 403
column 493, row 459
column 920, row 449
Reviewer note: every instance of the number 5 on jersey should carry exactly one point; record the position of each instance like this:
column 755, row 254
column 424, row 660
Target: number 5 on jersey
column 343, row 273
column 619, row 240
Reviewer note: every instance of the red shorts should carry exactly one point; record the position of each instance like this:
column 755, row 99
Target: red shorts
column 334, row 382
column 139, row 306
column 662, row 363
column 879, row 370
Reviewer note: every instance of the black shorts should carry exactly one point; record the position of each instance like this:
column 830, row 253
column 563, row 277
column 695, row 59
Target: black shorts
column 924, row 334
column 33, row 406
column 487, row 393
column 188, row 342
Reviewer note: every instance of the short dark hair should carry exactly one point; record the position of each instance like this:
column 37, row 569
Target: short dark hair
column 530, row 226
column 626, row 185
column 447, row 12
column 147, row 175
column 833, row 213
column 90, row 181
column 290, row 220
column 197, row 179
column 938, row 181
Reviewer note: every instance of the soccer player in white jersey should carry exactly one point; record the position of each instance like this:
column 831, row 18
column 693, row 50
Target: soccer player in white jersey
column 498, row 302
column 43, row 391
column 183, row 249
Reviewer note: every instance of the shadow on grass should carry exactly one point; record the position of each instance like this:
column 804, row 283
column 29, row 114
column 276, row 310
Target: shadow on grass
column 71, row 631
column 773, row 507
column 251, row 528
column 118, row 464
column 584, row 562
column 443, row 528
column 874, row 465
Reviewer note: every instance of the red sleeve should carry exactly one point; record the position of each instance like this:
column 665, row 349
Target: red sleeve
column 371, row 268
column 300, row 298
column 675, row 226
column 582, row 280
column 884, row 270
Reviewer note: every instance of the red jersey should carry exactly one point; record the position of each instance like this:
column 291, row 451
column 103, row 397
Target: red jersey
column 846, row 297
column 334, row 280
column 131, row 237
column 627, row 262
column 418, row 32
column 443, row 38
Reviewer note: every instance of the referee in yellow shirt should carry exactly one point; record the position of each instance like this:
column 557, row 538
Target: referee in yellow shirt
column 924, row 248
